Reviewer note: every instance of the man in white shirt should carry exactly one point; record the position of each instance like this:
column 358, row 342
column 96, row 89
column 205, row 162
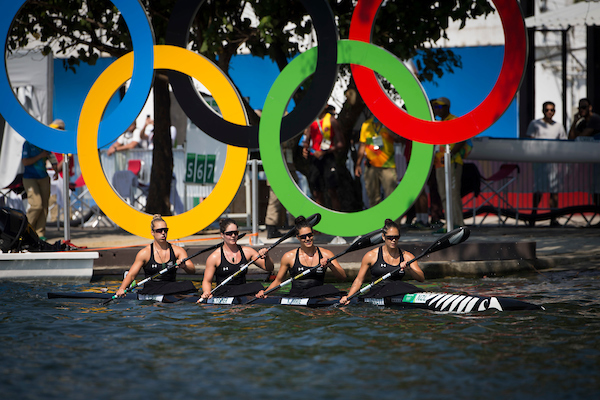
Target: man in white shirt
column 546, row 174
column 130, row 139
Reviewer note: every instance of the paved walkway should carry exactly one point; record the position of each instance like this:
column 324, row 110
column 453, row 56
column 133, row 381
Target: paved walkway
column 556, row 247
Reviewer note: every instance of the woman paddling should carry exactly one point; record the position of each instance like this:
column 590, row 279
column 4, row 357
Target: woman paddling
column 385, row 259
column 227, row 260
column 307, row 256
column 155, row 257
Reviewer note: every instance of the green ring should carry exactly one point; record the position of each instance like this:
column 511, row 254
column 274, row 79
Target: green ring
column 293, row 199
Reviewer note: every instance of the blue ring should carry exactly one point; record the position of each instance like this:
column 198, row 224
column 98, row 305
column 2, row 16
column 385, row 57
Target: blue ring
column 113, row 125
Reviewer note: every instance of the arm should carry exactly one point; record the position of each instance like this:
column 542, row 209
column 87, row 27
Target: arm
column 32, row 160
column 359, row 159
column 334, row 266
column 338, row 143
column 413, row 269
column 181, row 254
column 209, row 273
column 457, row 147
column 131, row 145
column 306, row 143
column 141, row 258
column 263, row 260
column 573, row 130
column 285, row 265
column 365, row 265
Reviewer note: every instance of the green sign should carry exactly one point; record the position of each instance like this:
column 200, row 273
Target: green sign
column 200, row 168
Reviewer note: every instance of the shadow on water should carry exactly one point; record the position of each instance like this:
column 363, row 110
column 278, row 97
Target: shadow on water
column 61, row 349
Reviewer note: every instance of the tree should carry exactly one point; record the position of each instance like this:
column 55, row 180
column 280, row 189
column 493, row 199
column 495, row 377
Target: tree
column 93, row 28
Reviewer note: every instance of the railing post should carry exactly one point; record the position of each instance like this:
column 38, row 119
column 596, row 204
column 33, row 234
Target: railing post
column 256, row 240
column 448, row 176
column 66, row 198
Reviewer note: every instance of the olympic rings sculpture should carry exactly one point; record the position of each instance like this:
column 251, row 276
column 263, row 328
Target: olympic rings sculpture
column 322, row 61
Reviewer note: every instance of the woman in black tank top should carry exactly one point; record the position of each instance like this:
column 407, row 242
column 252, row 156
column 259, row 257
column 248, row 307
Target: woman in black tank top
column 154, row 258
column 307, row 256
column 229, row 259
column 385, row 259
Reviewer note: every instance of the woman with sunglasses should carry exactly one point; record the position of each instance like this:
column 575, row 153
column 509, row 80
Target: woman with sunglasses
column 306, row 256
column 157, row 256
column 228, row 259
column 384, row 259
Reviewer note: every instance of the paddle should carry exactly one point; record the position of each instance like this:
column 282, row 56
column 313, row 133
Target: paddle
column 456, row 236
column 165, row 270
column 368, row 240
column 312, row 220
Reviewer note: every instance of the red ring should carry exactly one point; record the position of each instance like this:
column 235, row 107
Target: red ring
column 470, row 124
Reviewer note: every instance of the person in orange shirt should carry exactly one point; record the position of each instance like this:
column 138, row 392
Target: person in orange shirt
column 377, row 146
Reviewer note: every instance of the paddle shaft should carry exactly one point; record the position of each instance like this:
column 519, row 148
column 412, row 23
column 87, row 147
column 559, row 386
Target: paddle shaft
column 300, row 275
column 313, row 220
column 456, row 236
column 384, row 277
column 165, row 270
column 355, row 246
column 244, row 267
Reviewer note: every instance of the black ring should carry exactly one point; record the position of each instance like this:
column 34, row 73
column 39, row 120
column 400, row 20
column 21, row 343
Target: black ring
column 295, row 122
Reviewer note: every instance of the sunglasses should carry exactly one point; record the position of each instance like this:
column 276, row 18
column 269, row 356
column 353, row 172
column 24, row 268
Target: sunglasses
column 549, row 110
column 161, row 230
column 231, row 233
column 392, row 237
column 582, row 108
column 305, row 236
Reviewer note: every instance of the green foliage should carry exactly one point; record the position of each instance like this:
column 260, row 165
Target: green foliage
column 221, row 27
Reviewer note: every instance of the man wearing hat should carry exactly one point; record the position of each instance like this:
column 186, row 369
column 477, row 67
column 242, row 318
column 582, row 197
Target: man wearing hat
column 441, row 108
column 37, row 182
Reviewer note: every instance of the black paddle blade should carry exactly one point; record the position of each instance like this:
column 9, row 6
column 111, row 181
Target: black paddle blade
column 370, row 239
column 451, row 238
column 314, row 219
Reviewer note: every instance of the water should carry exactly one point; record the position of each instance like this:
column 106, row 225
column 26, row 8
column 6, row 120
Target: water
column 78, row 349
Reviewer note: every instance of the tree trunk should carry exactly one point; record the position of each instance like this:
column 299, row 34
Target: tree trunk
column 158, row 201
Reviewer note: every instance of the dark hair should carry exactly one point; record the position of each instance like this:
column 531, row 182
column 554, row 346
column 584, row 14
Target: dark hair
column 225, row 222
column 586, row 100
column 300, row 223
column 390, row 224
column 546, row 104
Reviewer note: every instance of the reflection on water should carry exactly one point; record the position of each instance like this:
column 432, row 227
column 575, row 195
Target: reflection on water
column 79, row 349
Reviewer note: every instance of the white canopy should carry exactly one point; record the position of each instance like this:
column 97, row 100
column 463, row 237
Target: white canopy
column 579, row 14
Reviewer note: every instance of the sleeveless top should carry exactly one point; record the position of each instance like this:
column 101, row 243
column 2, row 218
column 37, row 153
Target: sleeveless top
column 312, row 279
column 152, row 267
column 381, row 268
column 226, row 269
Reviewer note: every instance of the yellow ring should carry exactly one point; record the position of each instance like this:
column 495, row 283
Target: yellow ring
column 230, row 104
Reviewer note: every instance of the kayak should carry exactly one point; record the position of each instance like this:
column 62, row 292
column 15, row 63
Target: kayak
column 433, row 301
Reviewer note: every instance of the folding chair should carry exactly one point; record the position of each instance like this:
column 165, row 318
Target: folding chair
column 137, row 167
column 125, row 184
column 496, row 188
column 12, row 195
column 82, row 209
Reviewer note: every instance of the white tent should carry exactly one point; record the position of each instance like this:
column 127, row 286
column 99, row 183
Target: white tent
column 30, row 75
column 579, row 14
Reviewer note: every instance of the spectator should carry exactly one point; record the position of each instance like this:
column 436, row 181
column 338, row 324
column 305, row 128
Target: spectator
column 130, row 139
column 441, row 108
column 36, row 183
column 322, row 140
column 52, row 203
column 377, row 144
column 585, row 122
column 147, row 134
column 545, row 174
